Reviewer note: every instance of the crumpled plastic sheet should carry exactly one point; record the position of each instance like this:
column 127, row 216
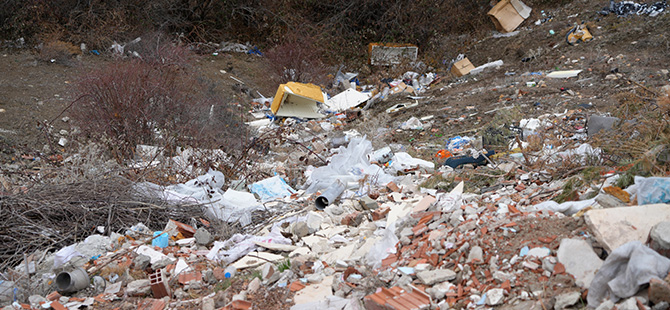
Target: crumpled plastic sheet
column 626, row 8
column 239, row 245
column 457, row 143
column 64, row 255
column 624, row 271
column 349, row 165
column 382, row 248
column 271, row 188
column 402, row 161
column 580, row 154
column 652, row 190
column 412, row 123
column 231, row 206
column 568, row 208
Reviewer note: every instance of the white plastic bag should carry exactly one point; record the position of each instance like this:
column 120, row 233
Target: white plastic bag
column 652, row 190
column 382, row 248
column 271, row 188
column 624, row 271
column 402, row 161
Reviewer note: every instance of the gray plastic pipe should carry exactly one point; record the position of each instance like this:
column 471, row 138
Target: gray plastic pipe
column 329, row 195
column 73, row 281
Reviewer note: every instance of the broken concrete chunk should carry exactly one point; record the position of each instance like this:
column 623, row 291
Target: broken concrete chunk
column 138, row 288
column 579, row 260
column 430, row 277
column 616, row 226
column 566, row 300
column 495, row 296
column 202, row 236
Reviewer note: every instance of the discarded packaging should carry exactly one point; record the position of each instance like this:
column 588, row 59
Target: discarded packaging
column 462, row 67
column 577, row 34
column 271, row 188
column 494, row 64
column 507, row 15
column 347, row 99
column 298, row 100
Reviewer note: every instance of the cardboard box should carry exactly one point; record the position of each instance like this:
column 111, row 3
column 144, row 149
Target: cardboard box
column 461, row 68
column 507, row 15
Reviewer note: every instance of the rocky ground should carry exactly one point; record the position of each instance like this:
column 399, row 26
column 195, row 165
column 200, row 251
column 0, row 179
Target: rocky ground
column 544, row 223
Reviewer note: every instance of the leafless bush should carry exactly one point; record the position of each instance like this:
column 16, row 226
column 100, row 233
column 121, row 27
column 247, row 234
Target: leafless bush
column 57, row 51
column 50, row 216
column 159, row 101
column 297, row 59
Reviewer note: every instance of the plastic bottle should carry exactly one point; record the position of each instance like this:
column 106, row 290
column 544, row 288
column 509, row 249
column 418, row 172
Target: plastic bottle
column 229, row 272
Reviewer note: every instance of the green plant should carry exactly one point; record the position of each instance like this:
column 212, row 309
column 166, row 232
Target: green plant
column 284, row 265
column 222, row 285
column 570, row 190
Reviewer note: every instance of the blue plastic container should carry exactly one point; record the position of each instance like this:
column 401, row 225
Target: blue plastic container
column 160, row 241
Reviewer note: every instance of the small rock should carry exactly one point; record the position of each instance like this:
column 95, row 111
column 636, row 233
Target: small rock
column 141, row 262
column 208, row 304
column 548, row 263
column 138, row 288
column 368, row 203
column 628, row 304
column 566, row 300
column 219, row 273
column 579, row 260
column 202, row 236
column 314, row 221
column 162, row 263
column 609, row 201
column 254, row 285
column 300, row 229
column 539, row 252
column 314, row 278
column 430, row 277
column 476, row 255
column 209, row 277
column 660, row 236
column 659, row 306
column 606, row 305
column 659, row 291
column 495, row 296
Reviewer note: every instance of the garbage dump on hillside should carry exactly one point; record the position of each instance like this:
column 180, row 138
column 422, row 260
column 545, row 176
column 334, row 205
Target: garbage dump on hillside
column 529, row 214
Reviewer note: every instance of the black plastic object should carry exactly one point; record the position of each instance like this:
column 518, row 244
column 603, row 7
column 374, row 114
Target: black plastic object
column 456, row 161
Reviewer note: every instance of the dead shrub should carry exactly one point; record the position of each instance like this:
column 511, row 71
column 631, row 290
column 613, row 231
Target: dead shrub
column 57, row 51
column 163, row 103
column 297, row 59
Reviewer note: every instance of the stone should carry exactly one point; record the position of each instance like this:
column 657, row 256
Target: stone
column 315, row 292
column 606, row 305
column 209, row 277
column 138, row 288
column 202, row 236
column 566, row 300
column 659, row 291
column 616, row 226
column 430, row 277
column 141, row 262
column 579, row 260
column 35, row 300
column 495, row 296
column 300, row 229
column 476, row 255
column 596, row 123
column 162, row 263
column 208, row 304
column 539, row 252
column 314, row 278
column 368, row 203
column 548, row 263
column 660, row 234
column 609, row 201
column 628, row 304
column 659, row 306
column 254, row 285
column 219, row 273
column 314, row 221
column 269, row 273
column 352, row 219
column 438, row 290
